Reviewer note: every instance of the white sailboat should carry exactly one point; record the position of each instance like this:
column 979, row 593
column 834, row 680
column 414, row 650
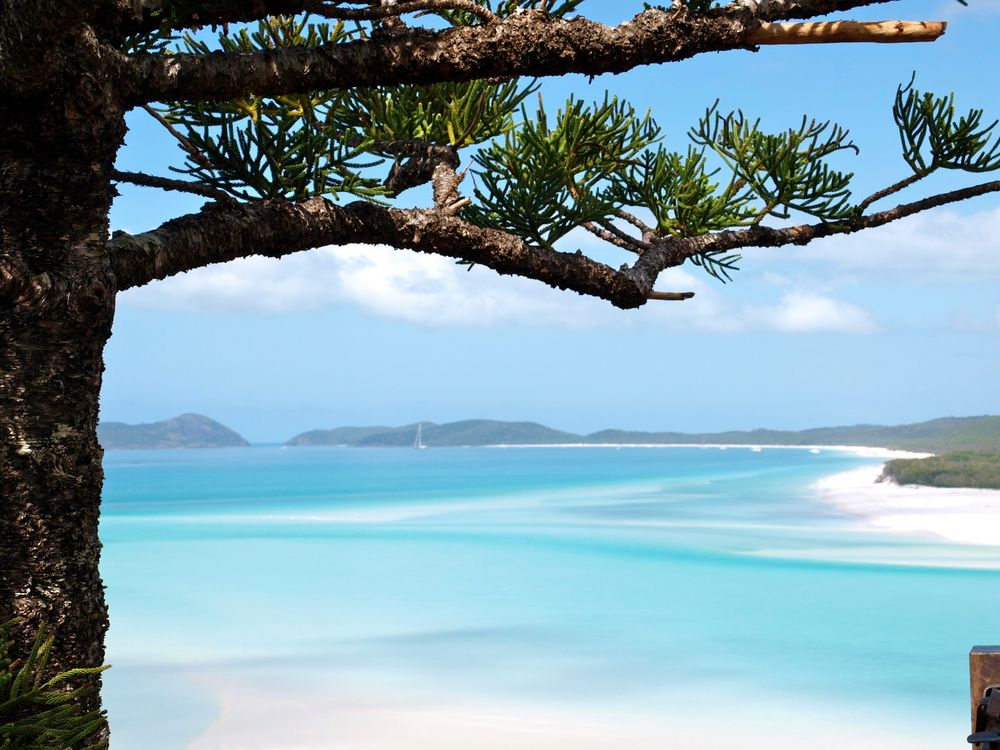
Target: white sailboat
column 419, row 442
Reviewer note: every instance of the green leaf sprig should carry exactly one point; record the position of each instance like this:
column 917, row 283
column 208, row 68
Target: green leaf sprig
column 39, row 713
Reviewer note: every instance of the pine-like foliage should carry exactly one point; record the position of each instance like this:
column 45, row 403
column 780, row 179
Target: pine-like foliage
column 602, row 167
column 597, row 164
column 540, row 182
column 327, row 143
column 38, row 713
column 452, row 114
column 284, row 147
column 787, row 170
column 505, row 8
column 933, row 137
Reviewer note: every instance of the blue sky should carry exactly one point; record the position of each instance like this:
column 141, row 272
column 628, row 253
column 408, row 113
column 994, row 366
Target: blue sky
column 895, row 325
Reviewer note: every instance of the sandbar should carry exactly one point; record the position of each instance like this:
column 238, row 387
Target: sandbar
column 962, row 516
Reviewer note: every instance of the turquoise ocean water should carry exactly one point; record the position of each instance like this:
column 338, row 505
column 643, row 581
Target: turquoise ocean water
column 619, row 582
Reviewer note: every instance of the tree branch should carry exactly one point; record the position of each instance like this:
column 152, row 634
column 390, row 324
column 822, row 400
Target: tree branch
column 783, row 10
column 610, row 238
column 635, row 221
column 165, row 183
column 668, row 252
column 604, row 233
column 848, row 31
column 397, row 9
column 671, row 296
column 194, row 153
column 277, row 228
column 885, row 192
column 526, row 44
column 208, row 13
column 418, row 168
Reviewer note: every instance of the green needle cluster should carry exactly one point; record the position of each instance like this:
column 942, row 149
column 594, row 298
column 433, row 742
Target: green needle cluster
column 933, row 137
column 38, row 713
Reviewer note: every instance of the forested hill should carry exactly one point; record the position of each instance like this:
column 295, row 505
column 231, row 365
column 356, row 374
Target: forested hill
column 951, row 433
column 185, row 431
column 469, row 432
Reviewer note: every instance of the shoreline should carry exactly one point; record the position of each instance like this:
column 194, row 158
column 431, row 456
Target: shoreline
column 858, row 450
column 957, row 515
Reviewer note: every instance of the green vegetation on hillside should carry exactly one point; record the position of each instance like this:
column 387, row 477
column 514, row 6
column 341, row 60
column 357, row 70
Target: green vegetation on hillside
column 957, row 469
column 935, row 436
column 185, row 431
column 455, row 434
column 339, row 436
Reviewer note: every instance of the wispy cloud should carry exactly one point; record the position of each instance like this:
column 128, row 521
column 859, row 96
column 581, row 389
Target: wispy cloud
column 939, row 245
column 433, row 291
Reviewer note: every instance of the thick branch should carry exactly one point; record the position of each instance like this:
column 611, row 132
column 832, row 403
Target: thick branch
column 274, row 229
column 418, row 168
column 783, row 10
column 848, row 31
column 526, row 44
column 210, row 12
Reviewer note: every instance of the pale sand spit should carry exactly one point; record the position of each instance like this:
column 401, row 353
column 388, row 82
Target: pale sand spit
column 965, row 516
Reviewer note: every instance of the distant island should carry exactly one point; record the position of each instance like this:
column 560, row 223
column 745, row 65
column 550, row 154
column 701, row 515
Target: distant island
column 185, row 431
column 469, row 433
column 935, row 436
column 967, row 448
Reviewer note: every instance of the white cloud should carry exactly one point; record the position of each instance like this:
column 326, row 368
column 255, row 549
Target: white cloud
column 399, row 284
column 939, row 245
column 434, row 291
column 809, row 312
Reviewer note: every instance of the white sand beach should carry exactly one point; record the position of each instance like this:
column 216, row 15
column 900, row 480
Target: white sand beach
column 342, row 717
column 964, row 516
column 858, row 450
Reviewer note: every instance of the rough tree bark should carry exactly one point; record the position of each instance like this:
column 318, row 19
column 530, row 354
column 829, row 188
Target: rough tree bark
column 58, row 140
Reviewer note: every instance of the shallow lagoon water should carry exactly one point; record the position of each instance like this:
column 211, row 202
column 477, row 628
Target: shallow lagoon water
column 632, row 584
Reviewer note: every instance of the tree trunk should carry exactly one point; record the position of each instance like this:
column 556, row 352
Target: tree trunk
column 50, row 472
column 57, row 297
